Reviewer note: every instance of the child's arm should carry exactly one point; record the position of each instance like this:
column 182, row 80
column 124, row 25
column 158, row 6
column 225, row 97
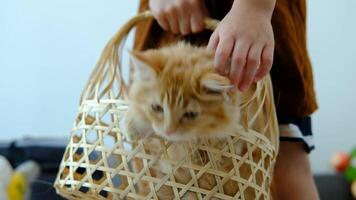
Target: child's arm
column 245, row 36
column 179, row 16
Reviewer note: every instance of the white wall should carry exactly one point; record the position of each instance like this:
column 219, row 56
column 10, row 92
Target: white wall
column 332, row 45
column 48, row 48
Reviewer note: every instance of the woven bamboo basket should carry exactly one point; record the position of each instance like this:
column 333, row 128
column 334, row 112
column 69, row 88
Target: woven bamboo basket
column 100, row 163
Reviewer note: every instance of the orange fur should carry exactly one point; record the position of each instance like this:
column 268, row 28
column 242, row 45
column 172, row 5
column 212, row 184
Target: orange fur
column 180, row 79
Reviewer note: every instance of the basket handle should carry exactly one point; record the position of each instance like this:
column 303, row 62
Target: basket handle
column 109, row 68
column 109, row 65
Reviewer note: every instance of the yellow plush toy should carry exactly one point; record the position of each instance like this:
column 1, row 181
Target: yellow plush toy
column 15, row 184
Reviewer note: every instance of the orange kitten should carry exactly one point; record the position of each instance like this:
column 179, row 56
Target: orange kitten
column 176, row 93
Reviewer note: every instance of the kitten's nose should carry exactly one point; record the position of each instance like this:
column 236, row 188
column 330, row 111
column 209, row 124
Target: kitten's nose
column 170, row 132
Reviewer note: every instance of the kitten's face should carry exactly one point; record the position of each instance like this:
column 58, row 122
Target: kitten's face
column 179, row 95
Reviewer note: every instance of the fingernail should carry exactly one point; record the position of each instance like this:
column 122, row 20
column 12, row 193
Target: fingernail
column 243, row 88
column 256, row 78
column 220, row 70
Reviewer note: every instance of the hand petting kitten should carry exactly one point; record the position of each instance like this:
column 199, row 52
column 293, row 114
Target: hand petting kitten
column 243, row 41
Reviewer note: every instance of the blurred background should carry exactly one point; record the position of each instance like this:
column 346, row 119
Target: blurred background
column 48, row 49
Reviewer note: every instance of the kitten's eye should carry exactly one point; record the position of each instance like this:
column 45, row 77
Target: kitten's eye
column 190, row 115
column 157, row 108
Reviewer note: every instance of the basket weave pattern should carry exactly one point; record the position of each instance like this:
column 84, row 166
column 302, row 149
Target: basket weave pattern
column 100, row 163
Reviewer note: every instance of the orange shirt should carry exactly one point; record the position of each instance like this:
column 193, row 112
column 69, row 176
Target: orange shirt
column 291, row 73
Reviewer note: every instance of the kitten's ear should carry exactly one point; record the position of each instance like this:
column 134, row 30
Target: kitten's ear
column 213, row 83
column 141, row 70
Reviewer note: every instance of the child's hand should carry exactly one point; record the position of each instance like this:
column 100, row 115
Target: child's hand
column 179, row 16
column 244, row 43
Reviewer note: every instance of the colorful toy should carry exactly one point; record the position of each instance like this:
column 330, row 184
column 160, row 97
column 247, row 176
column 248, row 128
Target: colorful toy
column 15, row 184
column 346, row 164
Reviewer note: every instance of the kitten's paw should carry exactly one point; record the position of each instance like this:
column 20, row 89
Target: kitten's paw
column 131, row 135
column 129, row 132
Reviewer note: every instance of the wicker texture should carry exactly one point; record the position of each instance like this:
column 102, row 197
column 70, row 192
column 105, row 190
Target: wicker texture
column 100, row 163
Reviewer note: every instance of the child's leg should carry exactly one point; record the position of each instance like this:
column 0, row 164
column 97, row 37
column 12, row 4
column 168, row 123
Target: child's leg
column 293, row 178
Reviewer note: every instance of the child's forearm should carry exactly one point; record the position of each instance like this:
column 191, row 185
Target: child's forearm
column 263, row 7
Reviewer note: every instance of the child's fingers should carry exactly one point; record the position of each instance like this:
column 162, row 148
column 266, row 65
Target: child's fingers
column 179, row 16
column 184, row 22
column 164, row 23
column 253, row 61
column 261, row 72
column 223, row 53
column 161, row 19
column 197, row 22
column 266, row 62
column 213, row 41
column 238, row 61
column 197, row 17
column 173, row 20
